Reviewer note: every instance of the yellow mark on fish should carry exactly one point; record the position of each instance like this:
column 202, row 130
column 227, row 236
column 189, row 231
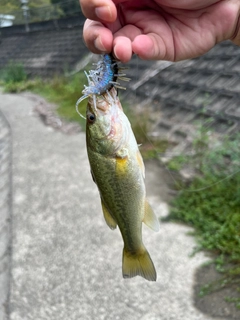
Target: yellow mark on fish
column 122, row 162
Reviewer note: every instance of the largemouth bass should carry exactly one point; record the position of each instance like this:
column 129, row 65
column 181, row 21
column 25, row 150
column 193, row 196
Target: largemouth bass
column 118, row 170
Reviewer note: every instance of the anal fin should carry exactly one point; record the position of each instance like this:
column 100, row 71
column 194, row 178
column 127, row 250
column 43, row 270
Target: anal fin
column 150, row 218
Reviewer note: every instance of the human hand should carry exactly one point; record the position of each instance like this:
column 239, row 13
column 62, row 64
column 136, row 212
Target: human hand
column 161, row 29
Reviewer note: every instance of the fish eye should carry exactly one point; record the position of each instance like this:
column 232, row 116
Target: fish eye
column 91, row 117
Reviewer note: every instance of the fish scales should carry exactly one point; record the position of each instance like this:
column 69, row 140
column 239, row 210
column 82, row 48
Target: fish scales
column 121, row 196
column 118, row 170
column 117, row 167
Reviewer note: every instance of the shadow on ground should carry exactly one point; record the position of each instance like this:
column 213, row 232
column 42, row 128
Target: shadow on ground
column 214, row 304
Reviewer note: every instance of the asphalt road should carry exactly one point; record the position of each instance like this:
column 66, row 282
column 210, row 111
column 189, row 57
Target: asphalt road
column 66, row 262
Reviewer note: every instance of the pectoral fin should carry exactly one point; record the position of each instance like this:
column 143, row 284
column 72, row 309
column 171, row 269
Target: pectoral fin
column 108, row 217
column 149, row 218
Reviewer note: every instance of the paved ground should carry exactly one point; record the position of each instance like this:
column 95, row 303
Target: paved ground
column 5, row 213
column 66, row 262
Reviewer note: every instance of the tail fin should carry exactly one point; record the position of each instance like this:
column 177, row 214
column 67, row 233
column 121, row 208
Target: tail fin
column 139, row 263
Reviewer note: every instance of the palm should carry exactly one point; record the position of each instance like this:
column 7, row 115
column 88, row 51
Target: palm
column 159, row 31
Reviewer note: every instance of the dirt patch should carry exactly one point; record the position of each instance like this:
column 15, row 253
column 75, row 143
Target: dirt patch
column 48, row 115
column 214, row 304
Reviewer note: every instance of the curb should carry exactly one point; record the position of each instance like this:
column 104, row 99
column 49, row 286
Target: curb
column 5, row 214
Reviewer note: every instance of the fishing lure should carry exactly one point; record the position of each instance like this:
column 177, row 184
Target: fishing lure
column 102, row 79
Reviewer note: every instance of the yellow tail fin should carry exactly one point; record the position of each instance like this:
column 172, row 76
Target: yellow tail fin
column 139, row 263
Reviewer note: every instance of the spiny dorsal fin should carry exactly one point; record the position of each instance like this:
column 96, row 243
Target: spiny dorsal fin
column 108, row 217
column 150, row 218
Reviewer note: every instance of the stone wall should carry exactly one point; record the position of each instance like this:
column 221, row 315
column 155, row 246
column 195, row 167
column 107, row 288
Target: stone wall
column 49, row 48
column 205, row 89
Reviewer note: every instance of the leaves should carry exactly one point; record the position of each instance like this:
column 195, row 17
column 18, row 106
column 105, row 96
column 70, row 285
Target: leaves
column 211, row 204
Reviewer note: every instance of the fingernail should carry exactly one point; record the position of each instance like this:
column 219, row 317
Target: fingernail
column 115, row 55
column 103, row 13
column 98, row 44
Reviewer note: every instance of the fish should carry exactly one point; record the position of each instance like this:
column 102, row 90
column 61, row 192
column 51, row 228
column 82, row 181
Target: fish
column 118, row 170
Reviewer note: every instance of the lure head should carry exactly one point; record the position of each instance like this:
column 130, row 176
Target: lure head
column 103, row 77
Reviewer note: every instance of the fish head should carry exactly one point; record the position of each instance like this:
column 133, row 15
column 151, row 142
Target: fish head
column 104, row 128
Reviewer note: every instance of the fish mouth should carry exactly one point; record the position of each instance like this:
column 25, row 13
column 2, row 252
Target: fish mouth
column 105, row 102
column 102, row 103
column 98, row 103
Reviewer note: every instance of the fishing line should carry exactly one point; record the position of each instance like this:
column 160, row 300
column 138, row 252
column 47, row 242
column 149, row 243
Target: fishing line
column 144, row 132
column 178, row 184
column 213, row 184
column 96, row 86
column 77, row 103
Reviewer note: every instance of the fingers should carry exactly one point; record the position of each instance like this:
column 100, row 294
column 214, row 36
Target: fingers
column 122, row 44
column 122, row 40
column 98, row 38
column 122, row 48
column 152, row 47
column 99, row 10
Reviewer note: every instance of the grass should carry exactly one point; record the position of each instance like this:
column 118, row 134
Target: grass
column 211, row 204
column 66, row 91
column 150, row 148
column 59, row 90
column 13, row 73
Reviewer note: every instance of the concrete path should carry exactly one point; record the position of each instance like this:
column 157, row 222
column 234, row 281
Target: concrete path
column 66, row 262
column 5, row 213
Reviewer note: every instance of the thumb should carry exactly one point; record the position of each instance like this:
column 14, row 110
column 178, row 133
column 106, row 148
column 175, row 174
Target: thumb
column 152, row 47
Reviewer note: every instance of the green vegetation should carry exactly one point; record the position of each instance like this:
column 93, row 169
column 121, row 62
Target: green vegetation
column 211, row 204
column 150, row 148
column 65, row 92
column 200, row 153
column 60, row 90
column 66, row 7
column 7, row 6
column 40, row 10
column 13, row 74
